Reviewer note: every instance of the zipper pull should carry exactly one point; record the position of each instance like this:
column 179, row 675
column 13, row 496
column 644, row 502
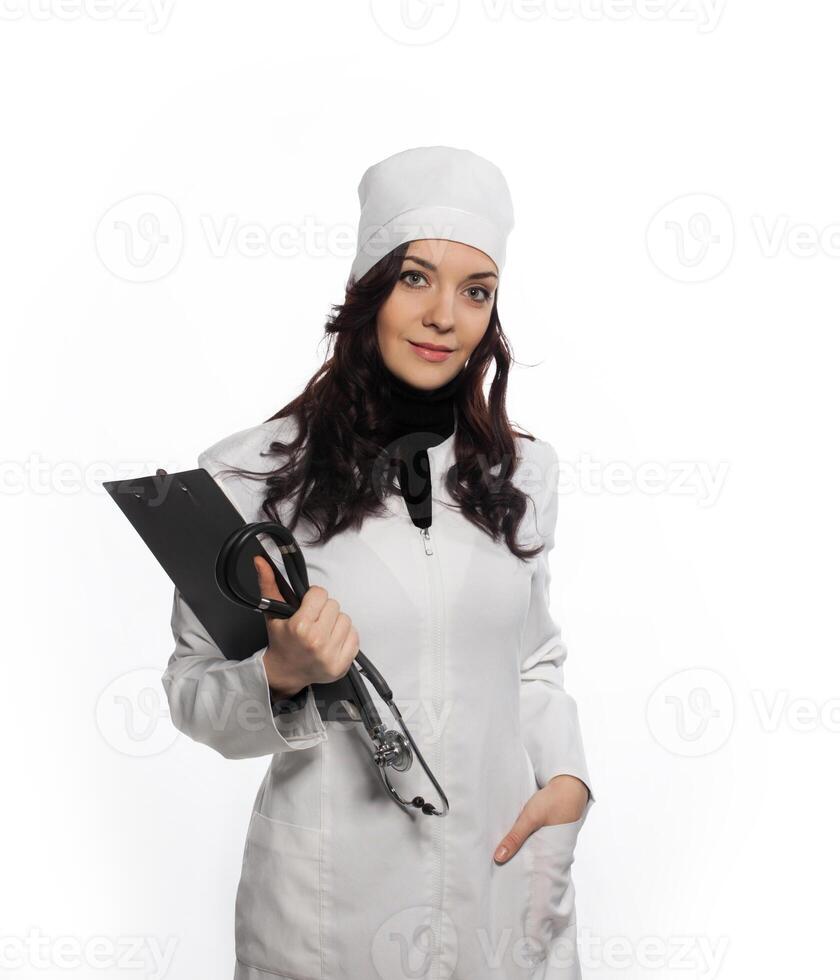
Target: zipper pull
column 427, row 540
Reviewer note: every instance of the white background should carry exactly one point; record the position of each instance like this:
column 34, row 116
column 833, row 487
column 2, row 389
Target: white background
column 671, row 297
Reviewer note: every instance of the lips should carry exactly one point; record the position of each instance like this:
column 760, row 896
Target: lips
column 432, row 346
column 431, row 353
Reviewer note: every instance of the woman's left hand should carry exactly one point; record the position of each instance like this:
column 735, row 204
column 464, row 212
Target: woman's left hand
column 561, row 800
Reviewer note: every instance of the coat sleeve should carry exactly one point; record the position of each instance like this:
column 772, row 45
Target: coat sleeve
column 548, row 713
column 227, row 704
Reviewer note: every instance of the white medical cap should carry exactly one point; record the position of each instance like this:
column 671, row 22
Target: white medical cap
column 432, row 192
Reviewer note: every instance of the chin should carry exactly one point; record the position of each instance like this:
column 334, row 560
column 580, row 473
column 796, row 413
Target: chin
column 425, row 379
column 430, row 374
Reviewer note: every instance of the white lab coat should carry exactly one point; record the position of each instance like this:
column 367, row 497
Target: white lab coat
column 338, row 882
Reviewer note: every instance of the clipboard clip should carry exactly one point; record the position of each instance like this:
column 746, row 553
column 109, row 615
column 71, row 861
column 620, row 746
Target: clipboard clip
column 161, row 474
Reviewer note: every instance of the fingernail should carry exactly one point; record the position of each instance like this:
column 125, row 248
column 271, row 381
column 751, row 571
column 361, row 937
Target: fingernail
column 501, row 853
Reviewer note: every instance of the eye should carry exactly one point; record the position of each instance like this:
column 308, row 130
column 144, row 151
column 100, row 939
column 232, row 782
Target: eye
column 411, row 272
column 485, row 294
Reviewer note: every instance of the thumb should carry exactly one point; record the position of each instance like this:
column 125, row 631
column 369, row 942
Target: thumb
column 267, row 582
column 524, row 825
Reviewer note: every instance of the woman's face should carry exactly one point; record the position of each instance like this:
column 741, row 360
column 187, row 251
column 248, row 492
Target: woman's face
column 443, row 297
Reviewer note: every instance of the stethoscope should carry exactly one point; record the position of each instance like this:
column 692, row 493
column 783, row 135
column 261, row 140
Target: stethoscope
column 392, row 749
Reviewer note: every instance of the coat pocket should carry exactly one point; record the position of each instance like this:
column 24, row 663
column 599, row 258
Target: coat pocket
column 550, row 925
column 278, row 920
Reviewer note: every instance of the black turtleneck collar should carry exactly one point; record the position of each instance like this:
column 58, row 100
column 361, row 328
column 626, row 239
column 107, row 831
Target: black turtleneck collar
column 418, row 410
column 418, row 420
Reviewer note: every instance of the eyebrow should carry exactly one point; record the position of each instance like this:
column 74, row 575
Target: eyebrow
column 433, row 268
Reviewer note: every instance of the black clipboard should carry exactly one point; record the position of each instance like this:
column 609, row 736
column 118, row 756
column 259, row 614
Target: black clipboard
column 184, row 519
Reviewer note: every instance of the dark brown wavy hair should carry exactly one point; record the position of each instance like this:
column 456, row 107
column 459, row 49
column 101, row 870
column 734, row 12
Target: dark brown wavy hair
column 336, row 458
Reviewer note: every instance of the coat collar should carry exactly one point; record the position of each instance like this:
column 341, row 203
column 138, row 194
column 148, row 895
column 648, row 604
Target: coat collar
column 442, row 457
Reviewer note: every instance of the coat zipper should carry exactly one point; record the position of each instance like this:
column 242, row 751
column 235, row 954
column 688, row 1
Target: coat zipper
column 427, row 540
column 437, row 652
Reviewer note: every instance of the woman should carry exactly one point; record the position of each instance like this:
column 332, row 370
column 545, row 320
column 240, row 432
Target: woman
column 428, row 526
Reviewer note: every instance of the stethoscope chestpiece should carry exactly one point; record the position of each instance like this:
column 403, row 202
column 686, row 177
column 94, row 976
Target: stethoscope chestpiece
column 394, row 750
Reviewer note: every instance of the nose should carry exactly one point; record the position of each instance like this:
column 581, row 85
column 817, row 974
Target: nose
column 441, row 311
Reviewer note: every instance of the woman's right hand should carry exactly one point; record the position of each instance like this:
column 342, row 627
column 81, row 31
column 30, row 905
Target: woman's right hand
column 316, row 645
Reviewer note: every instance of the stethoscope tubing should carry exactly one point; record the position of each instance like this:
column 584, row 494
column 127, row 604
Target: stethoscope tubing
column 392, row 748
